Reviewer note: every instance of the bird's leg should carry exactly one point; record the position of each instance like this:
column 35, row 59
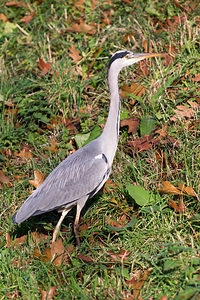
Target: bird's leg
column 76, row 223
column 55, row 232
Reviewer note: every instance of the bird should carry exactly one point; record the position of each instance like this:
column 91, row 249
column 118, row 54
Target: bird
column 82, row 174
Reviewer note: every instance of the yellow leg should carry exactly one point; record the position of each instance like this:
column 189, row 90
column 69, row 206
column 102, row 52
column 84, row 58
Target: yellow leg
column 76, row 223
column 55, row 232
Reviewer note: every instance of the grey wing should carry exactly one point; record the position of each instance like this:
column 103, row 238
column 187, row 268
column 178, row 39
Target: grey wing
column 80, row 175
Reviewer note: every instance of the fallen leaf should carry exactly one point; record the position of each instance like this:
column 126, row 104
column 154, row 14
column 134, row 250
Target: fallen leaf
column 177, row 208
column 48, row 295
column 129, row 37
column 85, row 258
column 26, row 19
column 8, row 239
column 142, row 143
column 169, row 188
column 75, row 54
column 122, row 256
column 132, row 123
column 187, row 189
column 163, row 297
column 133, row 89
column 3, row 18
column 182, row 112
column 79, row 4
column 57, row 252
column 137, row 282
column 82, row 27
column 25, row 153
column 107, row 15
column 53, row 254
column 16, row 3
column 196, row 78
column 145, row 44
column 53, row 148
column 38, row 180
column 45, row 68
column 38, row 237
column 4, row 179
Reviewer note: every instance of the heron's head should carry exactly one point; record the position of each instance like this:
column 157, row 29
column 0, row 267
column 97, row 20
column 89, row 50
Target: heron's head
column 124, row 58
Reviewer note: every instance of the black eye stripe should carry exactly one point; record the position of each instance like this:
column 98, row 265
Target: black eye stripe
column 116, row 56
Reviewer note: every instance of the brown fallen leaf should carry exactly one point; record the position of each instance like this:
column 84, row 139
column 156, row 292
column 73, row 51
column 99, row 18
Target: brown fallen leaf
column 26, row 19
column 133, row 89
column 129, row 37
column 132, row 123
column 122, row 256
column 8, row 239
column 75, row 54
column 79, row 4
column 25, row 153
column 142, row 144
column 48, row 295
column 169, row 188
column 38, row 237
column 137, row 282
column 187, row 189
column 177, row 208
column 182, row 112
column 85, row 258
column 53, row 148
column 3, row 18
column 4, row 179
column 38, row 180
column 53, row 254
column 82, row 27
column 16, row 3
column 196, row 78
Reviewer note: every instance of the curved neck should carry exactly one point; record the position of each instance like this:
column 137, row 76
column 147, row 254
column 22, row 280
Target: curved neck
column 111, row 130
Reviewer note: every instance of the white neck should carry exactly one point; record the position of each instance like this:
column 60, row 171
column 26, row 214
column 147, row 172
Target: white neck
column 110, row 133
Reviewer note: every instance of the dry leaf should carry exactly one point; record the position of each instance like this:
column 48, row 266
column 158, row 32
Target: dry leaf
column 79, row 4
column 85, row 258
column 75, row 54
column 3, row 18
column 53, row 148
column 145, row 45
column 16, row 3
column 188, row 190
column 132, row 123
column 133, row 89
column 44, row 67
column 169, row 188
column 181, row 112
column 8, row 239
column 122, row 256
column 137, row 282
column 177, row 208
column 47, row 295
column 54, row 254
column 3, row 178
column 129, row 37
column 196, row 78
column 24, row 154
column 38, row 180
column 82, row 27
column 26, row 19
column 38, row 237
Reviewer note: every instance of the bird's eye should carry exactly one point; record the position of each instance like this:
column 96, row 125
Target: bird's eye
column 127, row 56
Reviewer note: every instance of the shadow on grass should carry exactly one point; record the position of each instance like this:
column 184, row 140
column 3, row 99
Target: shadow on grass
column 45, row 223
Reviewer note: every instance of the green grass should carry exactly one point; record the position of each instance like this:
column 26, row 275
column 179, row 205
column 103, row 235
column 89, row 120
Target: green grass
column 163, row 242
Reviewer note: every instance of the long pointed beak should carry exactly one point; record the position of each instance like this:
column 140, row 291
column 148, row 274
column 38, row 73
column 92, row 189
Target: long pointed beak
column 141, row 56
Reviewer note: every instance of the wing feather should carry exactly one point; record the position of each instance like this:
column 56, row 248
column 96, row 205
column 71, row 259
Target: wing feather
column 80, row 175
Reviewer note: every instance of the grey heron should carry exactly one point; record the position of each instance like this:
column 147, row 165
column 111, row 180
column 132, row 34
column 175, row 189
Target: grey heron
column 82, row 174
